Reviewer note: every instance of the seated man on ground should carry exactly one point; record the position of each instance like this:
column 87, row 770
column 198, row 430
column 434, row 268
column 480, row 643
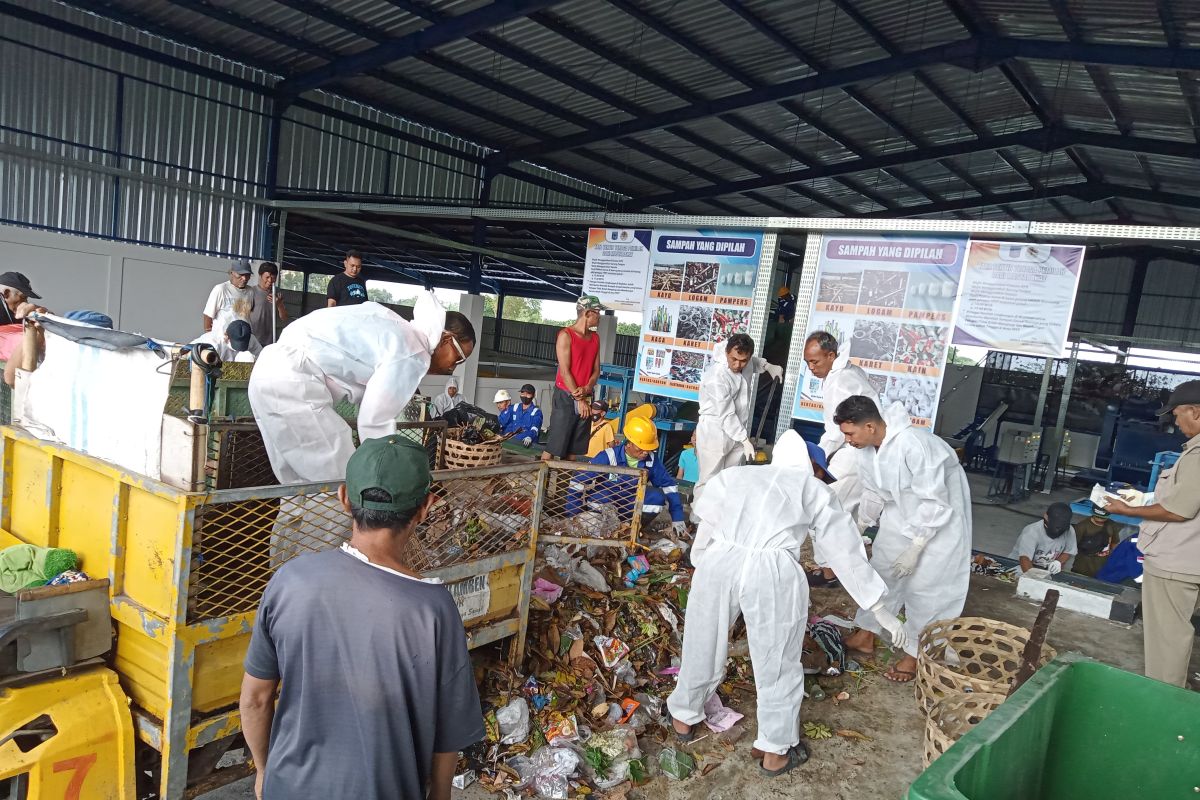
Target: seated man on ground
column 506, row 412
column 598, row 489
column 1096, row 537
column 1048, row 543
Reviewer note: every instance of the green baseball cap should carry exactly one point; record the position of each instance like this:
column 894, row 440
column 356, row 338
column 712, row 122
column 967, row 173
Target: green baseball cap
column 589, row 302
column 394, row 464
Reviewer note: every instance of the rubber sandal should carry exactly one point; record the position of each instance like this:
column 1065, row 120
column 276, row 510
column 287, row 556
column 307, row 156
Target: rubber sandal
column 912, row 675
column 797, row 755
column 683, row 738
column 817, row 580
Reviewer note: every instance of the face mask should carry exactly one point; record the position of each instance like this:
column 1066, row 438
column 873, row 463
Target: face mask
column 526, row 399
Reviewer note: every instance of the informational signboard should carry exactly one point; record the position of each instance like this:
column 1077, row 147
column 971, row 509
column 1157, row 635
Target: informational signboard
column 1018, row 297
column 699, row 293
column 615, row 266
column 472, row 596
column 889, row 301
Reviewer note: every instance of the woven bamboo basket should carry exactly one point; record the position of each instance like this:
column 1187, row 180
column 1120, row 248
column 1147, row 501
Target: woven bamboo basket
column 460, row 455
column 988, row 655
column 953, row 716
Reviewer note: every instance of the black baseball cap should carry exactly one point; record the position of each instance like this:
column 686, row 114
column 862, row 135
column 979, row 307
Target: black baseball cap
column 528, row 389
column 16, row 280
column 239, row 334
column 1185, row 394
column 241, row 266
column 1058, row 518
column 599, row 405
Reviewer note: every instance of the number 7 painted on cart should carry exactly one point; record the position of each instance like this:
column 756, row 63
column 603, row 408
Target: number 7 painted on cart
column 81, row 765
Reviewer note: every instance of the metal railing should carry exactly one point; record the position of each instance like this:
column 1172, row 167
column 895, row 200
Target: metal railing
column 594, row 504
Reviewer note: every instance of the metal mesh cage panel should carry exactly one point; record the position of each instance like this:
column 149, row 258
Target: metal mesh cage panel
column 237, row 458
column 596, row 504
column 238, row 544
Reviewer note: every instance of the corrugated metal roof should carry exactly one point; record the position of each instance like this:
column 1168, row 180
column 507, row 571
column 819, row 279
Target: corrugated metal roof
column 559, row 83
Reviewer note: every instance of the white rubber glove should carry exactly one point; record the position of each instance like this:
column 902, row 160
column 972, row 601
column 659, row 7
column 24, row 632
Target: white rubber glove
column 748, row 449
column 907, row 561
column 527, row 441
column 680, row 528
column 776, row 372
column 890, row 623
column 1054, row 567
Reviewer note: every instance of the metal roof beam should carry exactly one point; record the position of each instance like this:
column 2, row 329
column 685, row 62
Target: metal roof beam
column 1187, row 85
column 1043, row 140
column 1086, row 191
column 974, row 52
column 436, row 35
column 768, row 94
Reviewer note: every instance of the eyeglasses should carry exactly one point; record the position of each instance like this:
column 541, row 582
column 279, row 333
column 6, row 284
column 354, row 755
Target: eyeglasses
column 462, row 357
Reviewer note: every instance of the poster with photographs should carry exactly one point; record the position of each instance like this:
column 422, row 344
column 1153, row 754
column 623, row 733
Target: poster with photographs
column 889, row 301
column 699, row 293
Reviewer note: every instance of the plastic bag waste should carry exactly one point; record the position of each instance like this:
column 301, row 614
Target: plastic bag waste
column 550, row 771
column 514, row 721
column 574, row 568
column 676, row 764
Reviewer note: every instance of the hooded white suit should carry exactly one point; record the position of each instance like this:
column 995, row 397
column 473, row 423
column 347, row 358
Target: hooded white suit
column 753, row 520
column 444, row 402
column 366, row 354
column 915, row 478
column 724, row 417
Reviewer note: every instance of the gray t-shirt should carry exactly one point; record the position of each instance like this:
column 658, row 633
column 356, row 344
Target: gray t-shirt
column 260, row 317
column 1036, row 545
column 375, row 679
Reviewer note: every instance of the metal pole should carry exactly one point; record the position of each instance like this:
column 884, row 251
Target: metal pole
column 274, row 299
column 1052, row 464
column 1037, row 418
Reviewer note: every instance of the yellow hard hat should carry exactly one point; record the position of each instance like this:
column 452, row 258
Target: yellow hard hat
column 784, row 291
column 644, row 411
column 641, row 433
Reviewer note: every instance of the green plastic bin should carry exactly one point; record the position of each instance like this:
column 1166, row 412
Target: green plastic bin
column 1077, row 729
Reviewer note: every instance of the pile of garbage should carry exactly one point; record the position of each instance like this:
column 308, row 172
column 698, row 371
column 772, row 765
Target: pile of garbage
column 587, row 710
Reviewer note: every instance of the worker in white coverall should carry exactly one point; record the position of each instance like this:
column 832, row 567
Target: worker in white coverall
column 915, row 488
column 723, row 430
column 839, row 379
column 365, row 354
column 753, row 520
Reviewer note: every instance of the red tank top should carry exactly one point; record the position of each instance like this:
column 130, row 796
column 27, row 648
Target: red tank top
column 583, row 358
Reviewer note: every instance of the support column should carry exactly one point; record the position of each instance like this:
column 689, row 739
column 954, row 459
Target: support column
column 608, row 336
column 498, row 328
column 471, row 306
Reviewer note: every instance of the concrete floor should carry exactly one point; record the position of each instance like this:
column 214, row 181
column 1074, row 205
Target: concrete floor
column 841, row 768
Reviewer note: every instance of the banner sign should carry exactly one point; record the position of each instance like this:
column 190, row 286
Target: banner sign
column 889, row 301
column 1018, row 297
column 615, row 266
column 699, row 293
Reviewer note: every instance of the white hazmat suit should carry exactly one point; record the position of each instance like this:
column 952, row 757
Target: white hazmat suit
column 723, row 430
column 916, row 487
column 444, row 402
column 366, row 354
column 844, row 380
column 753, row 521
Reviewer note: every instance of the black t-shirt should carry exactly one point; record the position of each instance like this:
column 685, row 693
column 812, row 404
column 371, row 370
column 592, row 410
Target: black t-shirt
column 346, row 290
column 375, row 679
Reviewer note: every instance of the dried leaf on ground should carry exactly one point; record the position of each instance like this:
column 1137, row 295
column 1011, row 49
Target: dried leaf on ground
column 850, row 733
column 817, row 730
